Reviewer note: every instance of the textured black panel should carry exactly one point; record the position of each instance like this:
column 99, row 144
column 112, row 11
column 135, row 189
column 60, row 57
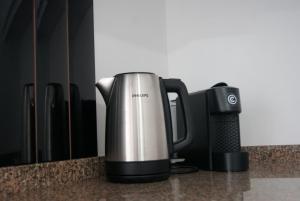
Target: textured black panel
column 226, row 132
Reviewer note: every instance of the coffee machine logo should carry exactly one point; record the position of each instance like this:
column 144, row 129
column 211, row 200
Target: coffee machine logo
column 141, row 95
column 232, row 99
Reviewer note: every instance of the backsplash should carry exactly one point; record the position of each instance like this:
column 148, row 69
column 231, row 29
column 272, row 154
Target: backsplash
column 274, row 153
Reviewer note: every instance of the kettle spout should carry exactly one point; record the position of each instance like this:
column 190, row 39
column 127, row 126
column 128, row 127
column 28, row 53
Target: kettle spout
column 105, row 85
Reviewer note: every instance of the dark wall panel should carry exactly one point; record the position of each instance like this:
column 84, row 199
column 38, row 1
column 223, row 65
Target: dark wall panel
column 52, row 80
column 47, row 77
column 82, row 79
column 17, row 123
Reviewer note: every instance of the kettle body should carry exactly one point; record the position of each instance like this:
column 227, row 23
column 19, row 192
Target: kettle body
column 138, row 126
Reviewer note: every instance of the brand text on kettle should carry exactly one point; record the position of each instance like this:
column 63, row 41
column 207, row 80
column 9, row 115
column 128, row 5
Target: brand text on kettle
column 140, row 95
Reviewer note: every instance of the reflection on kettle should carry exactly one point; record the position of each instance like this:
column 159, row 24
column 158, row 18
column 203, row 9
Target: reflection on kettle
column 76, row 125
column 55, row 136
column 83, row 125
column 28, row 152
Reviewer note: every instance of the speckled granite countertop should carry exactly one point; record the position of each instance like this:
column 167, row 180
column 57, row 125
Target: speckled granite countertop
column 264, row 181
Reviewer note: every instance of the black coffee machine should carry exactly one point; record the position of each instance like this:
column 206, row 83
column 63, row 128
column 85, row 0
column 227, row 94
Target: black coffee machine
column 216, row 131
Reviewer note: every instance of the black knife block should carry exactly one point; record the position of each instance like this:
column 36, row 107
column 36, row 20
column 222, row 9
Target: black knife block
column 216, row 130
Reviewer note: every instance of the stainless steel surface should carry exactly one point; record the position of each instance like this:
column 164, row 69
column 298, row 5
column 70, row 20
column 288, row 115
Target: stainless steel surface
column 136, row 128
column 104, row 85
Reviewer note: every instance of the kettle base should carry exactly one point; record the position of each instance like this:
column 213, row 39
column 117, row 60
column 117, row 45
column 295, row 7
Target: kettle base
column 138, row 179
column 137, row 171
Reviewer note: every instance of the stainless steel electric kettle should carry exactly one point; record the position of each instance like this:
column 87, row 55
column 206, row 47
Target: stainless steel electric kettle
column 139, row 138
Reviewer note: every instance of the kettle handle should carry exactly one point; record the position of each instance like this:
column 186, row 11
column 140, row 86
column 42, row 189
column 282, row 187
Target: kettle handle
column 177, row 86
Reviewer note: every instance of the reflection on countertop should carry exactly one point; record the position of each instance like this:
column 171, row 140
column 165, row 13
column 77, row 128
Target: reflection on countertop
column 264, row 181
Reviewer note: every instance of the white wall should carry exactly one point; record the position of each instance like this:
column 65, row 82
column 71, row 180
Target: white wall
column 251, row 44
column 129, row 36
